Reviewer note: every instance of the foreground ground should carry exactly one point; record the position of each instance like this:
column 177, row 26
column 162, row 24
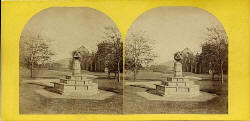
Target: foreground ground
column 123, row 101
column 32, row 103
column 134, row 104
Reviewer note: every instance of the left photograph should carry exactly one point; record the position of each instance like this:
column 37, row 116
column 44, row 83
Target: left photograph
column 70, row 62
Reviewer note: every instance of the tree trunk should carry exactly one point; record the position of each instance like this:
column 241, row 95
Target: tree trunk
column 212, row 75
column 135, row 70
column 221, row 72
column 118, row 68
column 200, row 69
column 134, row 74
column 91, row 66
column 108, row 73
column 31, row 70
column 95, row 66
column 100, row 67
column 195, row 68
column 191, row 70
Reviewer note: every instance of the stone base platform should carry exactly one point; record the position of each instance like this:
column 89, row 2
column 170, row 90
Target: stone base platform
column 75, row 85
column 177, row 78
column 202, row 97
column 190, row 90
column 178, row 85
column 101, row 95
column 78, row 88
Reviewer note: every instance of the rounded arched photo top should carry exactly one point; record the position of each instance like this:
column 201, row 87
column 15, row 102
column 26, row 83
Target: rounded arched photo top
column 173, row 29
column 69, row 28
column 53, row 34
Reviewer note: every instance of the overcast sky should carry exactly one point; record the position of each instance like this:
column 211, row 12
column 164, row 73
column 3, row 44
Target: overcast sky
column 174, row 29
column 69, row 28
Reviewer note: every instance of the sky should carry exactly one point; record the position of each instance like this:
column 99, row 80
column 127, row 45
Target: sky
column 69, row 28
column 174, row 29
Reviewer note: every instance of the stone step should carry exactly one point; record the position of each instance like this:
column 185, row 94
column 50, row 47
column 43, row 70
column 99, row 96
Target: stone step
column 77, row 84
column 64, row 88
column 177, row 83
column 177, row 79
column 177, row 86
column 166, row 90
column 76, row 81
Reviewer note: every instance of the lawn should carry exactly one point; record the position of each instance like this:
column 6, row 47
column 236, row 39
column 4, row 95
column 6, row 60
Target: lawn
column 32, row 103
column 134, row 104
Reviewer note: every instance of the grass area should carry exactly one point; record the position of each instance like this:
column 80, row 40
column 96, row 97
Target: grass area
column 144, row 75
column 32, row 103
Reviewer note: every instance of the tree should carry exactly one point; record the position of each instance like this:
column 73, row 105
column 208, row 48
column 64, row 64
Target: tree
column 188, row 60
column 34, row 51
column 112, row 37
column 215, row 50
column 85, row 57
column 104, row 54
column 138, row 51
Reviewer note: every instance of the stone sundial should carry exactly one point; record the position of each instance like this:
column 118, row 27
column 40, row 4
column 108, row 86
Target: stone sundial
column 178, row 84
column 76, row 84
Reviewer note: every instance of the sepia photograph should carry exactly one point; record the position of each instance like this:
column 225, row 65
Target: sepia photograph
column 117, row 60
column 70, row 62
column 176, row 62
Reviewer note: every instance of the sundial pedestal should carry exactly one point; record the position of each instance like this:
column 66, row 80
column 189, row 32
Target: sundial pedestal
column 76, row 84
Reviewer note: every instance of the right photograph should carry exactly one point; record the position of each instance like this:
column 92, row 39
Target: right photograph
column 176, row 62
